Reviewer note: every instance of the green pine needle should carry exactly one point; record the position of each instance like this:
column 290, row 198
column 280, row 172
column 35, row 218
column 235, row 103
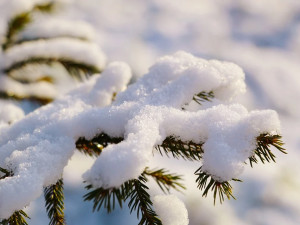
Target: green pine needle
column 76, row 69
column 95, row 146
column 263, row 151
column 179, row 149
column 18, row 218
column 221, row 189
column 6, row 173
column 45, row 8
column 108, row 198
column 15, row 25
column 14, row 96
column 165, row 180
column 203, row 96
column 140, row 201
column 20, row 21
column 54, row 202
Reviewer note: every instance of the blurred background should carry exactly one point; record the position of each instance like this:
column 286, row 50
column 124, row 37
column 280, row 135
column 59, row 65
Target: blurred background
column 263, row 37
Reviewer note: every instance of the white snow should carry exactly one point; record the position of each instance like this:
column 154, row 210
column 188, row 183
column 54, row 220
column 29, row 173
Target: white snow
column 49, row 27
column 170, row 209
column 11, row 8
column 40, row 89
column 60, row 80
column 40, row 145
column 9, row 112
column 59, row 48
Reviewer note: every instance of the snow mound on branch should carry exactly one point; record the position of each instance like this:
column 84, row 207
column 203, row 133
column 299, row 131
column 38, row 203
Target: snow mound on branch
column 49, row 27
column 61, row 81
column 38, row 147
column 11, row 8
column 170, row 210
column 183, row 70
column 59, row 48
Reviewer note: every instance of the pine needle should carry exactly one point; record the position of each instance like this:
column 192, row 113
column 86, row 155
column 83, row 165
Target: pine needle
column 179, row 149
column 220, row 189
column 166, row 181
column 54, row 203
column 263, row 150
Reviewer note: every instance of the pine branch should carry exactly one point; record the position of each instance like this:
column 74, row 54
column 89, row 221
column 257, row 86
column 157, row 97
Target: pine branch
column 171, row 145
column 203, row 96
column 15, row 25
column 16, row 219
column 32, row 39
column 75, row 69
column 6, row 173
column 108, row 198
column 140, row 201
column 179, row 149
column 20, row 21
column 54, row 198
column 95, row 146
column 165, row 180
column 45, row 8
column 263, row 151
column 218, row 188
column 14, row 96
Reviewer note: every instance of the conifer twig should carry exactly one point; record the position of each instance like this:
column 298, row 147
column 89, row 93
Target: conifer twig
column 165, row 180
column 140, row 201
column 179, row 149
column 14, row 96
column 218, row 188
column 20, row 21
column 95, row 146
column 108, row 198
column 17, row 218
column 263, row 151
column 72, row 66
column 54, row 203
column 6, row 173
column 203, row 96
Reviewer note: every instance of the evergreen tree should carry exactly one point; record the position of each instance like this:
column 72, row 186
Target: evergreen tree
column 42, row 56
column 142, row 103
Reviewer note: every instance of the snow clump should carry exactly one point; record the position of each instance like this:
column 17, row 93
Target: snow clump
column 170, row 210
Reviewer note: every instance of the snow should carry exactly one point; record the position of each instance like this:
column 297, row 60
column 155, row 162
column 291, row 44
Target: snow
column 59, row 48
column 11, row 8
column 39, row 146
column 170, row 75
column 48, row 27
column 170, row 210
column 260, row 36
column 61, row 81
column 9, row 112
column 39, row 89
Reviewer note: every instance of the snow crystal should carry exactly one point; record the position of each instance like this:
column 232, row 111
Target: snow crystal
column 144, row 115
column 170, row 210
